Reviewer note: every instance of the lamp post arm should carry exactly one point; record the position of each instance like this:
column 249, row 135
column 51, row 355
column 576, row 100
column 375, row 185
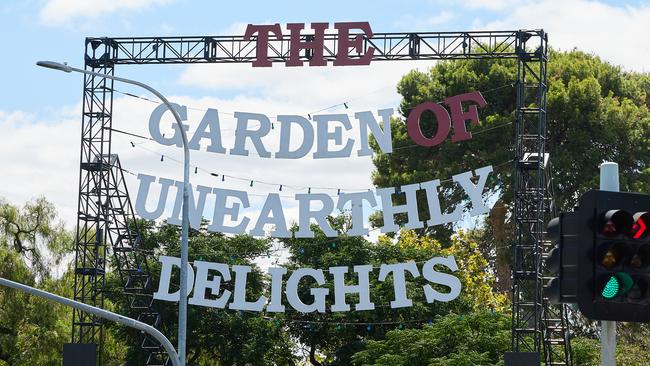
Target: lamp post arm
column 100, row 313
column 183, row 291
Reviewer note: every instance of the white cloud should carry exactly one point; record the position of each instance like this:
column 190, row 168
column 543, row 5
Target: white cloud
column 416, row 23
column 59, row 12
column 615, row 33
column 490, row 4
column 306, row 89
column 40, row 158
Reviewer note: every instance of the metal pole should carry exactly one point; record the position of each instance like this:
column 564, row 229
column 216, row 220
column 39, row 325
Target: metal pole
column 608, row 182
column 100, row 313
column 182, row 308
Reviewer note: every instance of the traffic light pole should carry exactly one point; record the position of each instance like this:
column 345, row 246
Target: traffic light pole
column 608, row 182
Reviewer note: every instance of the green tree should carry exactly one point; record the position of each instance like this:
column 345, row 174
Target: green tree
column 333, row 337
column 596, row 112
column 35, row 232
column 478, row 338
column 215, row 336
column 32, row 329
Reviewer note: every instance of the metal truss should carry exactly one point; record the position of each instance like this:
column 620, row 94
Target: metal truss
column 234, row 49
column 104, row 223
column 536, row 324
column 533, row 327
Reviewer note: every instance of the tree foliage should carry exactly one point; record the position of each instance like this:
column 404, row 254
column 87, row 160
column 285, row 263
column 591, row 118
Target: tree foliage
column 595, row 112
column 337, row 336
column 478, row 338
column 35, row 232
column 215, row 336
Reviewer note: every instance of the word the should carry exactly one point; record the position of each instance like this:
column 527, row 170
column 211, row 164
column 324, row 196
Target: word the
column 315, row 45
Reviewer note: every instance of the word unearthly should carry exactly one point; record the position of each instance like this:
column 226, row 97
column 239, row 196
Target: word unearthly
column 208, row 291
column 228, row 203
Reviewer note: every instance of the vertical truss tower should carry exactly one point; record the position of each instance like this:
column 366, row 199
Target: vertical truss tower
column 536, row 324
column 105, row 212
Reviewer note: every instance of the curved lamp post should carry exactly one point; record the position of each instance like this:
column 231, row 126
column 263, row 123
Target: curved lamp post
column 182, row 308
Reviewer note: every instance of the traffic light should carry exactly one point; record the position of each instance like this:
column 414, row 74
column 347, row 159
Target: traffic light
column 614, row 256
column 561, row 261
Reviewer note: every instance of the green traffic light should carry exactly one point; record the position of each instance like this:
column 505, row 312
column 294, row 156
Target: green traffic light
column 610, row 290
column 617, row 284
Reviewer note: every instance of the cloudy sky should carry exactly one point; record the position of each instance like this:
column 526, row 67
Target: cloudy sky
column 40, row 109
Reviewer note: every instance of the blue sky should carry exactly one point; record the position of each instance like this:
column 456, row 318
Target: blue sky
column 40, row 109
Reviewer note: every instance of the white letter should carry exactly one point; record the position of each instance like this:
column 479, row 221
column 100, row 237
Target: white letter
column 356, row 203
column 399, row 281
column 272, row 213
column 143, row 193
column 475, row 191
column 165, row 277
column 319, row 294
column 239, row 300
column 410, row 208
column 210, row 120
column 383, row 137
column 154, row 125
column 202, row 283
column 363, row 288
column 275, row 306
column 429, row 272
column 242, row 132
column 304, row 212
column 285, row 137
column 221, row 210
column 437, row 218
column 195, row 209
column 324, row 136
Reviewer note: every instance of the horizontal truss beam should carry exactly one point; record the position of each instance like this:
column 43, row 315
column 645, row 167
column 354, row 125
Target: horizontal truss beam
column 388, row 46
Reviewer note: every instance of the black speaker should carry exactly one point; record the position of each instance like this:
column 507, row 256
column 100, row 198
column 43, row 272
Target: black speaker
column 522, row 359
column 79, row 354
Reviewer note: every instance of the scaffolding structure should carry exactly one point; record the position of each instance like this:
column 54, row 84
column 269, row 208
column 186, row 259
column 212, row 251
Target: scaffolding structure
column 105, row 212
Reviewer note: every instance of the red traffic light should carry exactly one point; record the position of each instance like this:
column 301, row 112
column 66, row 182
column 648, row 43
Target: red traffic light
column 640, row 226
column 615, row 223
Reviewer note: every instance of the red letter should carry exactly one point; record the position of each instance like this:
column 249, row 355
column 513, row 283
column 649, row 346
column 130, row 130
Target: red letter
column 413, row 124
column 316, row 45
column 459, row 117
column 262, row 45
column 342, row 56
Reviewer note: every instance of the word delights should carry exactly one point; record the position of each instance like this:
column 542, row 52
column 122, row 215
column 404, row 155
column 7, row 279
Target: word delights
column 207, row 289
column 323, row 130
column 228, row 203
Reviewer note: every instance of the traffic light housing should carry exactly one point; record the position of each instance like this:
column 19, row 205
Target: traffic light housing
column 614, row 256
column 561, row 261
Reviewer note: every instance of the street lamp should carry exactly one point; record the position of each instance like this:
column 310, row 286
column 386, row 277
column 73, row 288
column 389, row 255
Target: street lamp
column 182, row 309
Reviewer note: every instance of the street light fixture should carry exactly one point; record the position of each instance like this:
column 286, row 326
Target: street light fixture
column 182, row 310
